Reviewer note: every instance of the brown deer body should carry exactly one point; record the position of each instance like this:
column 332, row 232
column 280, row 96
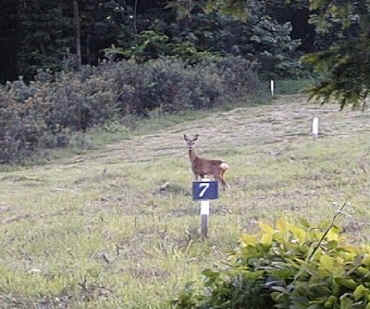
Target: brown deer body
column 204, row 167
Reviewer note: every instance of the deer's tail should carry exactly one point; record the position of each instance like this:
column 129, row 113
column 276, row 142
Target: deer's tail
column 224, row 166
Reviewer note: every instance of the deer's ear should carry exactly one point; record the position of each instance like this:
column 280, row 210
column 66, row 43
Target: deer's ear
column 185, row 137
column 195, row 137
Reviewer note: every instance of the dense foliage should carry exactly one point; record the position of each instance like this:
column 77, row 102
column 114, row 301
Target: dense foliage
column 346, row 62
column 287, row 266
column 45, row 111
column 41, row 33
column 201, row 35
column 342, row 49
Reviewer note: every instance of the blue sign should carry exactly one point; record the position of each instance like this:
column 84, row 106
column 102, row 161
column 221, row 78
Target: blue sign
column 205, row 190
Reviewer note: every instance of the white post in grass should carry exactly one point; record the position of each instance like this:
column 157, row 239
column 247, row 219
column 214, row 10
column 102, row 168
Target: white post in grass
column 315, row 127
column 204, row 214
column 272, row 86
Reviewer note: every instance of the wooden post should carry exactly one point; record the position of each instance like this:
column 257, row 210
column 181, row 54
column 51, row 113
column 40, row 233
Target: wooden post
column 315, row 127
column 204, row 213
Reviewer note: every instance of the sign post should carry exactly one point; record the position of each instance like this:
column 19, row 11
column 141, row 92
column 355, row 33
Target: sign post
column 204, row 191
column 204, row 214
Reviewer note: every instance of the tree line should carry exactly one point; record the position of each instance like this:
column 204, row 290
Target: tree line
column 332, row 35
column 41, row 33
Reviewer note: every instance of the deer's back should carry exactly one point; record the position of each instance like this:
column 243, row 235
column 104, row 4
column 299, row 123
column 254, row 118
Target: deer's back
column 202, row 166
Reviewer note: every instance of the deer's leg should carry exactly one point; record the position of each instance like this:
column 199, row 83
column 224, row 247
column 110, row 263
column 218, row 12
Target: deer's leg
column 222, row 172
column 221, row 180
column 224, row 184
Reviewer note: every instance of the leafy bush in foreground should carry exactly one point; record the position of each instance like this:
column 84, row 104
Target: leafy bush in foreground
column 287, row 266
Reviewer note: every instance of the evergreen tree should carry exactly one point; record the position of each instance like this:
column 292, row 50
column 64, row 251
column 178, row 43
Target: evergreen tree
column 346, row 63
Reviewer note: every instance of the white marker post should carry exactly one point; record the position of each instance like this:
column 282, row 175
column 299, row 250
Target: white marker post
column 272, row 86
column 204, row 191
column 315, row 127
column 204, row 214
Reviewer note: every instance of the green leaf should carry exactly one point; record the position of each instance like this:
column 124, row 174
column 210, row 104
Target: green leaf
column 327, row 263
column 298, row 233
column 346, row 302
column 330, row 301
column 348, row 283
column 366, row 260
column 268, row 233
column 248, row 240
column 360, row 292
column 333, row 234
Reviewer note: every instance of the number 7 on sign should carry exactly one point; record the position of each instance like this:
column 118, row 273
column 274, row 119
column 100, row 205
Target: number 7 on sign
column 204, row 187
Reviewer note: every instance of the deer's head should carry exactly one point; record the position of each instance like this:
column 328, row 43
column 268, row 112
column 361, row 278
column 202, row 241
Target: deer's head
column 190, row 141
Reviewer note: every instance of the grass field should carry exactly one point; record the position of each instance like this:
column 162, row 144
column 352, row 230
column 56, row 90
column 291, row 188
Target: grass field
column 97, row 231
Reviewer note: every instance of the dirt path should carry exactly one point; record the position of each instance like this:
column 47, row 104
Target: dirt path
column 287, row 118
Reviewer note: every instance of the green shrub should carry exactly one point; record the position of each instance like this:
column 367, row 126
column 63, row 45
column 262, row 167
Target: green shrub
column 172, row 85
column 20, row 129
column 46, row 112
column 287, row 266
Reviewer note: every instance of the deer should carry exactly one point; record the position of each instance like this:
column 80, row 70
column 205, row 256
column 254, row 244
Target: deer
column 205, row 167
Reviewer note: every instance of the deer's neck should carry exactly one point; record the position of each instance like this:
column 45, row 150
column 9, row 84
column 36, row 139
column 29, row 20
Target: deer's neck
column 192, row 155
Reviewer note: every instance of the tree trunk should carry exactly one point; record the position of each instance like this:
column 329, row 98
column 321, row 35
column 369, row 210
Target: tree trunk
column 135, row 16
column 77, row 28
column 91, row 49
column 9, row 27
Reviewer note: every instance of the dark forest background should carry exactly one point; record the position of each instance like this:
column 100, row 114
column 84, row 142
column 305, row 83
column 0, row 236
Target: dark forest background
column 42, row 34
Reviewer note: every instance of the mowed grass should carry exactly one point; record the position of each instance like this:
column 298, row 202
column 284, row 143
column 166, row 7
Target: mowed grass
column 117, row 228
